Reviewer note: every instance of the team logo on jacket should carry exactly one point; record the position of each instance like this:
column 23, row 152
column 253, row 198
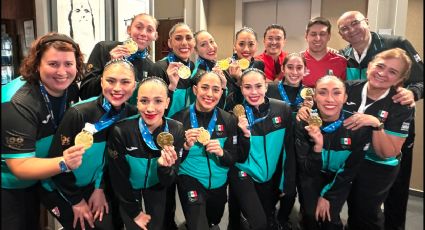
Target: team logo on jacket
column 345, row 142
column 405, row 126
column 276, row 121
column 192, row 195
column 219, row 129
column 15, row 142
column 56, row 212
column 242, row 175
column 383, row 115
column 65, row 140
column 112, row 153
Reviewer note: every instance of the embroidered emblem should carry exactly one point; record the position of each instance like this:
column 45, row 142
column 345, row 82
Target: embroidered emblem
column 65, row 140
column 15, row 142
column 193, row 196
column 56, row 212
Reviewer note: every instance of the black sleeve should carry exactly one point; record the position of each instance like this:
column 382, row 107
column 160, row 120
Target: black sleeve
column 308, row 161
column 119, row 172
column 230, row 145
column 72, row 123
column 167, row 175
column 340, row 186
column 415, row 82
column 289, row 166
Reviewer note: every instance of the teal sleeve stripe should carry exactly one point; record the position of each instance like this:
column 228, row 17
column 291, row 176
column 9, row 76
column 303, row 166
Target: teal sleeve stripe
column 395, row 134
column 329, row 186
column 8, row 90
column 85, row 101
column 17, row 155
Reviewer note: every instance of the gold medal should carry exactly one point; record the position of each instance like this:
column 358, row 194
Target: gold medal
column 85, row 139
column 223, row 64
column 165, row 139
column 204, row 136
column 131, row 45
column 184, row 72
column 243, row 63
column 306, row 92
column 315, row 120
column 239, row 110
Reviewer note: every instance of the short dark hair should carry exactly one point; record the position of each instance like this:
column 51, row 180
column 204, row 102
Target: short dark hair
column 275, row 26
column 320, row 21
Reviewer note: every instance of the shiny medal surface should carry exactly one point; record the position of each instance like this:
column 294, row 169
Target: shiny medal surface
column 184, row 72
column 306, row 92
column 315, row 120
column 204, row 136
column 85, row 137
column 243, row 63
column 239, row 110
column 165, row 139
column 223, row 64
column 131, row 45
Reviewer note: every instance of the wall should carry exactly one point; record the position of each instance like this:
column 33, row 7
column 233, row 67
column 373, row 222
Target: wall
column 164, row 11
column 415, row 21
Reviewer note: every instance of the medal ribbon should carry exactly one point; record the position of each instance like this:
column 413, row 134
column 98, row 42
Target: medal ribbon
column 49, row 104
column 194, row 120
column 171, row 57
column 363, row 105
column 106, row 120
column 142, row 54
column 334, row 125
column 285, row 97
column 251, row 118
column 147, row 136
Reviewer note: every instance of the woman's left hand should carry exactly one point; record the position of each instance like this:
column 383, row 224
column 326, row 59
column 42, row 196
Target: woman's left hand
column 359, row 120
column 322, row 210
column 98, row 204
column 214, row 147
column 404, row 97
column 168, row 156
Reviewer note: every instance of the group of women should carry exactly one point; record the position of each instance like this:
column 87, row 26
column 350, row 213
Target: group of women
column 109, row 160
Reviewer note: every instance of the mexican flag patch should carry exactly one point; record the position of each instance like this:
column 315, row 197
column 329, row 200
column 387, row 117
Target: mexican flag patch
column 219, row 128
column 277, row 120
column 383, row 114
column 346, row 141
column 192, row 195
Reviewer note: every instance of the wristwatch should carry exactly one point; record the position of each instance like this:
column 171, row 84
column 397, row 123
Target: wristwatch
column 63, row 166
column 380, row 127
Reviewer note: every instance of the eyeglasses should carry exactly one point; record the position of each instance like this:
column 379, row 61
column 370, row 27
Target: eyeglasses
column 354, row 24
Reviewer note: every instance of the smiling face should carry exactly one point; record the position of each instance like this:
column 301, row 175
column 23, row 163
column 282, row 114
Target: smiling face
column 294, row 70
column 208, row 92
column 57, row 70
column 206, row 46
column 384, row 73
column 118, row 83
column 330, row 97
column 181, row 41
column 152, row 101
column 274, row 41
column 317, row 38
column 245, row 45
column 354, row 28
column 143, row 30
column 254, row 88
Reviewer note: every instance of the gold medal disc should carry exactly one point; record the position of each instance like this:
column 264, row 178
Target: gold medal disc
column 223, row 64
column 239, row 110
column 85, row 139
column 204, row 136
column 306, row 92
column 165, row 139
column 243, row 63
column 315, row 120
column 184, row 72
column 131, row 45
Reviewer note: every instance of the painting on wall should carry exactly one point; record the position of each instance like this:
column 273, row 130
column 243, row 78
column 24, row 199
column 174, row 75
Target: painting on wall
column 83, row 20
column 125, row 11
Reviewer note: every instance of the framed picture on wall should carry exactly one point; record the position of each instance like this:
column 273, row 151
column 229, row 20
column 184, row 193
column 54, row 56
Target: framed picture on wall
column 82, row 20
column 125, row 10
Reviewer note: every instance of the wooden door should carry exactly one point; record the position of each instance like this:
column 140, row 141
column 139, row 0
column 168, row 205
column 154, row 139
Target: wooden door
column 161, row 45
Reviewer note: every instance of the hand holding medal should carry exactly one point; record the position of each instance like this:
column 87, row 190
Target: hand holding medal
column 184, row 72
column 131, row 45
column 239, row 110
column 224, row 64
column 168, row 154
column 204, row 136
column 314, row 120
column 243, row 63
column 165, row 139
column 85, row 137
